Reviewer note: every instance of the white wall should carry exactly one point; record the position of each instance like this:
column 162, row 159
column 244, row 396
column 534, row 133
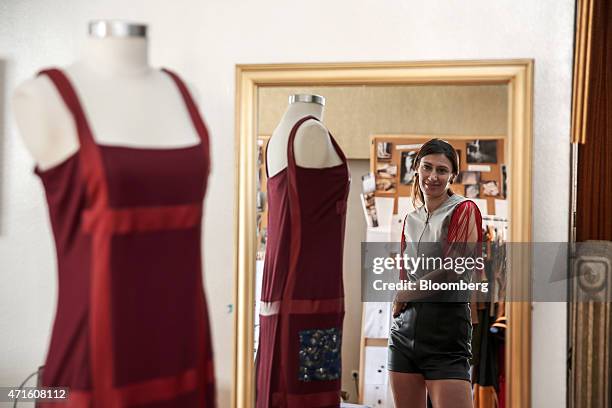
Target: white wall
column 204, row 40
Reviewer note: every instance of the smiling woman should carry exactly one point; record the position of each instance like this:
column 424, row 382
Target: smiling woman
column 446, row 217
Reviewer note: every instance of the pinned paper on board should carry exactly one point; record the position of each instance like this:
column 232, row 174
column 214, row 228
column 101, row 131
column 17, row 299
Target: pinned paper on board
column 501, row 208
column 375, row 365
column 482, row 205
column 479, row 167
column 384, row 209
column 404, row 206
column 376, row 319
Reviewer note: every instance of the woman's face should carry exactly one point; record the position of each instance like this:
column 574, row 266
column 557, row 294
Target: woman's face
column 435, row 173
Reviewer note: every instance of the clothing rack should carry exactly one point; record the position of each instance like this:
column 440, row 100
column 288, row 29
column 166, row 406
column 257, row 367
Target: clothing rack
column 488, row 369
column 499, row 225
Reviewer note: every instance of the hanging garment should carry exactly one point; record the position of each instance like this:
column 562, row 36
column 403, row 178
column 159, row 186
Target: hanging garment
column 302, row 300
column 487, row 372
column 131, row 327
column 502, row 375
column 485, row 397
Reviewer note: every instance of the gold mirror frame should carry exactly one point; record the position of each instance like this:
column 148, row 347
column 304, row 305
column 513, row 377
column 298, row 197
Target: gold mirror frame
column 517, row 74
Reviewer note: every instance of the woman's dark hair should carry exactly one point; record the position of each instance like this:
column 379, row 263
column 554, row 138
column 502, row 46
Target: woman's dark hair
column 433, row 146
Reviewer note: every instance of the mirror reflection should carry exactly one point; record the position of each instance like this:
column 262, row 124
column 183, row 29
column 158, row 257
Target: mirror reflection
column 338, row 166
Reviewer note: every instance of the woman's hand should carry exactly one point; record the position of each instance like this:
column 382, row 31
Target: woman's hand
column 398, row 308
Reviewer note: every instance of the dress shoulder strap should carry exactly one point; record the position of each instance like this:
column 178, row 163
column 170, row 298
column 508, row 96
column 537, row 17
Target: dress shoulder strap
column 71, row 99
column 192, row 108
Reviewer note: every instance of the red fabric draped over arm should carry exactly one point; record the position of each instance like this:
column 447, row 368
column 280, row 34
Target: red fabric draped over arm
column 464, row 232
column 403, row 273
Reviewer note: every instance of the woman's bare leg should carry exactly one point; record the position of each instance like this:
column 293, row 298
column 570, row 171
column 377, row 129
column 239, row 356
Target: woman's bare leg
column 408, row 389
column 450, row 393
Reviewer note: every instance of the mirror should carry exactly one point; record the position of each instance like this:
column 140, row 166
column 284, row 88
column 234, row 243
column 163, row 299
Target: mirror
column 380, row 115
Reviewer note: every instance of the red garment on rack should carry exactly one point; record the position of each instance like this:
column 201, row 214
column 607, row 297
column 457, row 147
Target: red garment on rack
column 502, row 375
column 131, row 327
column 302, row 300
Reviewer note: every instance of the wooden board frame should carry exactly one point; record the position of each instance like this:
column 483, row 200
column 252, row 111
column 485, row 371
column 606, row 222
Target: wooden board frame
column 397, row 140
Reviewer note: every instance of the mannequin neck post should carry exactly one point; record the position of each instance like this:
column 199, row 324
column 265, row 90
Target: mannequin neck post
column 298, row 110
column 127, row 56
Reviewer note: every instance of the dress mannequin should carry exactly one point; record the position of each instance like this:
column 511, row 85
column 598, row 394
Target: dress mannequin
column 312, row 145
column 127, row 102
column 302, row 296
column 124, row 158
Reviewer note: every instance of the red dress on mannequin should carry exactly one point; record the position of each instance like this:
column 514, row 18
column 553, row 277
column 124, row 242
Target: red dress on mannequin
column 131, row 326
column 302, row 310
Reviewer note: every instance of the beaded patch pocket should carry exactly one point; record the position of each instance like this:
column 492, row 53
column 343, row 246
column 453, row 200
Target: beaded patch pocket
column 320, row 354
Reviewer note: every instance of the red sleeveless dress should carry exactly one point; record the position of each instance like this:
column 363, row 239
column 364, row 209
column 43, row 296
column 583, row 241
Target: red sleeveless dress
column 131, row 326
column 302, row 300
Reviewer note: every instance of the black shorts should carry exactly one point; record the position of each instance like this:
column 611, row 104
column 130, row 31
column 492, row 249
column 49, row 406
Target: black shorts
column 432, row 339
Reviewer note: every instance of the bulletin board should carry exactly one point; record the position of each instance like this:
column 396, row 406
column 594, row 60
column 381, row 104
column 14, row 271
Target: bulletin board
column 482, row 169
